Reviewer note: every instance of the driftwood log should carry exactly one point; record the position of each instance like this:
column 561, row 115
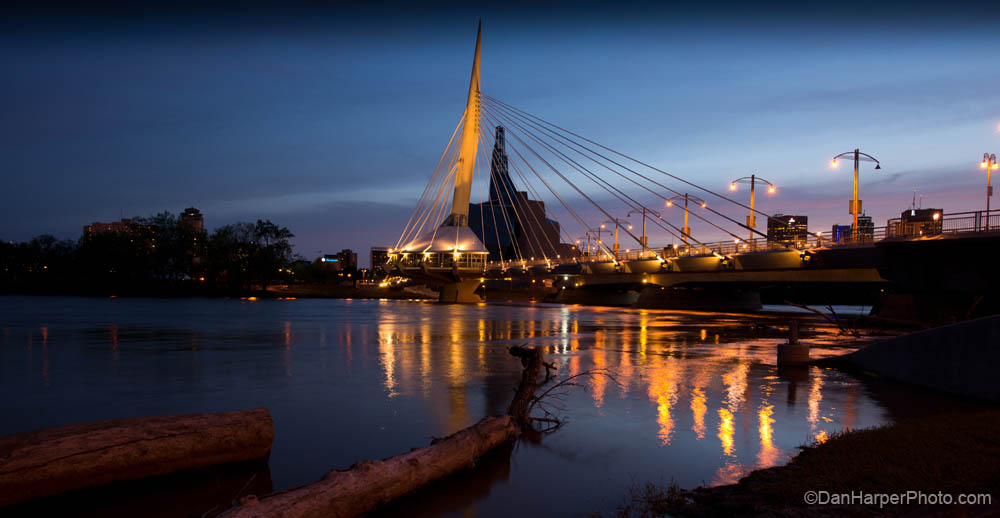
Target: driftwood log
column 56, row 460
column 365, row 485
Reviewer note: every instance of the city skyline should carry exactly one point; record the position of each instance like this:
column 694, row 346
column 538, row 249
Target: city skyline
column 340, row 116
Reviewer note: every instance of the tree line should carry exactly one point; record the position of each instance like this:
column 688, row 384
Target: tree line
column 155, row 255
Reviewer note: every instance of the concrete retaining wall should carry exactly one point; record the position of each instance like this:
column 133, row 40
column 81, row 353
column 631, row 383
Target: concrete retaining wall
column 961, row 358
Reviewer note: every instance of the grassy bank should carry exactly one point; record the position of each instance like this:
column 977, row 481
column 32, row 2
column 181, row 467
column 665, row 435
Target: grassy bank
column 953, row 454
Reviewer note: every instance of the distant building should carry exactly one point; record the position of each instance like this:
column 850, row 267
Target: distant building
column 790, row 231
column 123, row 226
column 916, row 222
column 379, row 256
column 841, row 234
column 193, row 219
column 866, row 228
column 345, row 260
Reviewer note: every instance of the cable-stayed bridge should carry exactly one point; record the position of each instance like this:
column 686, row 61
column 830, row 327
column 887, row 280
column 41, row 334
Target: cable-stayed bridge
column 558, row 205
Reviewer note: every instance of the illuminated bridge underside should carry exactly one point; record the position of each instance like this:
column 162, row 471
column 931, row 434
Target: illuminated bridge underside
column 739, row 277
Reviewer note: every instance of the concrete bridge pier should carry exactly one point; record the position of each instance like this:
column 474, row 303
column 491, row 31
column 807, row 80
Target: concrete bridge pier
column 463, row 292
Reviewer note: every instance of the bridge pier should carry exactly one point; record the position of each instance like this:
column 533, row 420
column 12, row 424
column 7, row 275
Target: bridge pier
column 462, row 292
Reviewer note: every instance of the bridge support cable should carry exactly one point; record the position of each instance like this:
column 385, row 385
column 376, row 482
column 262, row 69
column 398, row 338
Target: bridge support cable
column 438, row 199
column 563, row 202
column 434, row 183
column 577, row 149
column 493, row 214
column 634, row 204
column 513, row 198
column 434, row 212
column 503, row 213
column 639, row 184
column 503, row 207
column 538, row 227
column 639, row 162
column 563, row 177
column 548, row 186
column 625, row 198
column 548, row 211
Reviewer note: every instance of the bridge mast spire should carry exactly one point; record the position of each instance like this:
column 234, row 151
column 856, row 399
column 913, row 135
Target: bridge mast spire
column 470, row 142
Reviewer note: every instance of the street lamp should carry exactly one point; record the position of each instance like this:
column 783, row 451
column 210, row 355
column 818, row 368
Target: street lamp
column 752, row 180
column 643, row 239
column 686, row 231
column 855, row 206
column 989, row 163
column 617, row 223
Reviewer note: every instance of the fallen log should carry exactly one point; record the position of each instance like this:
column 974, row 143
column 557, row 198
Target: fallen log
column 363, row 486
column 57, row 460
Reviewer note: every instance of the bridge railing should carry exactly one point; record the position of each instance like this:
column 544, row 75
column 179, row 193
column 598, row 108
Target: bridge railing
column 956, row 223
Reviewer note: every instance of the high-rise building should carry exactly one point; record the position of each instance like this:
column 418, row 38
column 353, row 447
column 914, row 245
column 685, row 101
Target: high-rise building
column 193, row 219
column 790, row 231
column 511, row 225
column 866, row 228
column 379, row 256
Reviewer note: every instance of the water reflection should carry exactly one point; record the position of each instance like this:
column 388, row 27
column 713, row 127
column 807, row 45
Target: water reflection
column 699, row 396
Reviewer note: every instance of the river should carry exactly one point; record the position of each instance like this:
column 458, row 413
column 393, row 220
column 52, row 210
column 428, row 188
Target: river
column 693, row 397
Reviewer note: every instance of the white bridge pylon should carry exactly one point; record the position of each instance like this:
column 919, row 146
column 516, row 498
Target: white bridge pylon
column 442, row 243
column 443, row 253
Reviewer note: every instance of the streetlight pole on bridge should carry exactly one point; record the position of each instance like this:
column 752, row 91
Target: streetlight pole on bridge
column 618, row 223
column 643, row 239
column 686, row 197
column 855, row 207
column 752, row 180
column 989, row 163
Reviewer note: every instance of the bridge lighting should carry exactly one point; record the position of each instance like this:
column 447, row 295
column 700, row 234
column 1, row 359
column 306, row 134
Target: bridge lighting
column 937, row 216
column 855, row 204
column 670, row 203
column 703, row 205
column 753, row 179
column 732, row 187
column 834, row 163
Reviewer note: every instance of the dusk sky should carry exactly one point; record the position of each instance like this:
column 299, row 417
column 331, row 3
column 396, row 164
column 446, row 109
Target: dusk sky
column 330, row 120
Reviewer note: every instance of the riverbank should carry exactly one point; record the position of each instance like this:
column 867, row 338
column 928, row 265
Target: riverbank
column 951, row 454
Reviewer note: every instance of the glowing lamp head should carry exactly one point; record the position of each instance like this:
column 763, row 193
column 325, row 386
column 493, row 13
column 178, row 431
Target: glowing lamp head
column 983, row 164
column 703, row 205
column 732, row 187
column 937, row 216
column 630, row 227
column 670, row 203
column 833, row 163
column 771, row 189
column 603, row 225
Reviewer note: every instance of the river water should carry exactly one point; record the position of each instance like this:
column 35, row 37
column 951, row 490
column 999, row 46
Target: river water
column 693, row 398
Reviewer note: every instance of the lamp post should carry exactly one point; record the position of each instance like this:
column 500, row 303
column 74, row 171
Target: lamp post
column 643, row 239
column 752, row 180
column 686, row 231
column 855, row 207
column 989, row 163
column 617, row 222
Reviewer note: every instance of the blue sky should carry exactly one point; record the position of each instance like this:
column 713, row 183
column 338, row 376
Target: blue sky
column 331, row 120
